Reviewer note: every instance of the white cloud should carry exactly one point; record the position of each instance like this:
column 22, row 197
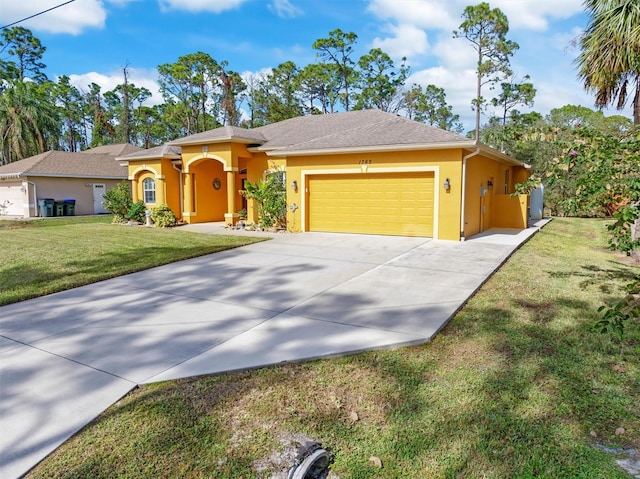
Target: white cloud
column 73, row 18
column 459, row 86
column 214, row 6
column 407, row 20
column 436, row 14
column 405, row 41
column 284, row 9
column 251, row 77
column 535, row 14
column 138, row 76
column 447, row 14
column 455, row 53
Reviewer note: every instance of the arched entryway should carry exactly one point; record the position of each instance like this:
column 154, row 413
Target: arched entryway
column 209, row 190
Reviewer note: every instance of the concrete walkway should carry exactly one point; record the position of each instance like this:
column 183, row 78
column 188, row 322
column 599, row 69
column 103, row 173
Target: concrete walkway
column 66, row 357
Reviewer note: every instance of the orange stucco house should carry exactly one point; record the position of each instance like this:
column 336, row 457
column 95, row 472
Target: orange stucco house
column 355, row 172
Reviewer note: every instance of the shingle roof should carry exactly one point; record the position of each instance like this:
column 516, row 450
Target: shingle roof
column 368, row 130
column 353, row 129
column 361, row 128
column 114, row 150
column 225, row 133
column 163, row 151
column 63, row 163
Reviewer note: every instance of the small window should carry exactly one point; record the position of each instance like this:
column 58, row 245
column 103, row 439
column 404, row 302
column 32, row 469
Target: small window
column 149, row 188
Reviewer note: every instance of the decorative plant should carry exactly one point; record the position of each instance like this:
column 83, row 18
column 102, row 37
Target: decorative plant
column 136, row 212
column 163, row 216
column 270, row 197
column 117, row 201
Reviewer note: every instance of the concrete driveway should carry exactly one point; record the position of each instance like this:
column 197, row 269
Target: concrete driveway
column 66, row 357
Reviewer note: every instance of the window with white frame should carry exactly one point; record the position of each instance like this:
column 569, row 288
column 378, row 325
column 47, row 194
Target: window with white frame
column 149, row 189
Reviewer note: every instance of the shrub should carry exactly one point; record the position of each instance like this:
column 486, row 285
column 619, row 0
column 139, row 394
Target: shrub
column 117, row 201
column 163, row 216
column 136, row 211
column 271, row 200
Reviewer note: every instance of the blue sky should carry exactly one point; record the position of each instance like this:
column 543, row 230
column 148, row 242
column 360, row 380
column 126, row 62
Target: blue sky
column 91, row 40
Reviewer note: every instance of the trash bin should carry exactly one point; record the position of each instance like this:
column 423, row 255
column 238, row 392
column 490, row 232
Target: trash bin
column 46, row 207
column 69, row 207
column 58, row 209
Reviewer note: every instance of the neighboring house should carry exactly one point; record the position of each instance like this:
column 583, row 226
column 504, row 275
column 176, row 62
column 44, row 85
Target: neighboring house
column 354, row 172
column 61, row 175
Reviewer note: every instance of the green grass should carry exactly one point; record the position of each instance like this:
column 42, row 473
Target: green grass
column 45, row 256
column 511, row 388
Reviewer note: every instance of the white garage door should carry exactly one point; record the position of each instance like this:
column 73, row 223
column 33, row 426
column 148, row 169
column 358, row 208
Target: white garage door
column 13, row 198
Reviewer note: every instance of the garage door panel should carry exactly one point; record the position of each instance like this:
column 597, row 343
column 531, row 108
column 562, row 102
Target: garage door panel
column 389, row 203
column 14, row 196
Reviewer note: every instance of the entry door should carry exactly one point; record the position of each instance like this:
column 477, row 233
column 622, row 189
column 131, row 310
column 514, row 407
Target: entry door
column 98, row 201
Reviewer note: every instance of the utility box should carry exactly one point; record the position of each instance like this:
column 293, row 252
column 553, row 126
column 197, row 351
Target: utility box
column 69, row 207
column 46, row 207
column 536, row 203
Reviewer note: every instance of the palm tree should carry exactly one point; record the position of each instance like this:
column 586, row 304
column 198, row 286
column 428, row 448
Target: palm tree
column 609, row 62
column 27, row 119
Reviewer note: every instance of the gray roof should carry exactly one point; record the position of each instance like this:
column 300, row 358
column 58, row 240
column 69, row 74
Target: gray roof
column 358, row 130
column 373, row 130
column 163, row 151
column 353, row 129
column 66, row 164
column 114, row 150
column 219, row 135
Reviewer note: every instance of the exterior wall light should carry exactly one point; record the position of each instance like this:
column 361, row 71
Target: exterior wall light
column 490, row 184
column 447, row 184
column 294, row 185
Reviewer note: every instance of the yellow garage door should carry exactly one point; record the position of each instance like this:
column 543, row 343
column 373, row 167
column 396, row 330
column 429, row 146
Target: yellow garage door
column 377, row 203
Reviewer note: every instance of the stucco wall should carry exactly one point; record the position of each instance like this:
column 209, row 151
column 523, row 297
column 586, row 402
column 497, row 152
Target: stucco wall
column 496, row 208
column 444, row 164
column 80, row 189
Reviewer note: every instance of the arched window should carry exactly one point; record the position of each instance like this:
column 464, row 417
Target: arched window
column 149, row 188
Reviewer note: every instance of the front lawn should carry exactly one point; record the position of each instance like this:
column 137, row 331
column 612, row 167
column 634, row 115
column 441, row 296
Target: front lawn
column 516, row 386
column 45, row 256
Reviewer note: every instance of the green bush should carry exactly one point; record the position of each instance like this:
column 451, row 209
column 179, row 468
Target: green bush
column 136, row 211
column 271, row 200
column 118, row 201
column 163, row 216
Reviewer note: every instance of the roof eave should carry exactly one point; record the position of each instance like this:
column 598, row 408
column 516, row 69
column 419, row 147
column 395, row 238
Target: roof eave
column 371, row 149
column 62, row 175
column 231, row 139
column 10, row 176
column 497, row 155
column 150, row 157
